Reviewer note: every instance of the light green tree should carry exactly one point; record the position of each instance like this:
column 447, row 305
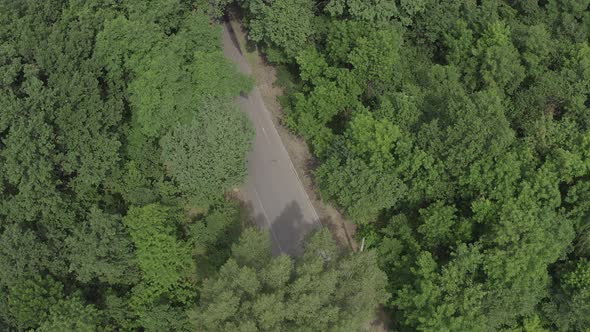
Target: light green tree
column 326, row 289
column 207, row 155
column 285, row 26
column 165, row 262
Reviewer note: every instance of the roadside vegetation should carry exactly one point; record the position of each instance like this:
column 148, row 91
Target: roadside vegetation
column 119, row 141
column 455, row 134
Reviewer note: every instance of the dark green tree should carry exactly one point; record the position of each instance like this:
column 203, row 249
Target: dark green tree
column 101, row 248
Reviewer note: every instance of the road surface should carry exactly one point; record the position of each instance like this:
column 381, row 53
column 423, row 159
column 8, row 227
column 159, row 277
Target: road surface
column 273, row 189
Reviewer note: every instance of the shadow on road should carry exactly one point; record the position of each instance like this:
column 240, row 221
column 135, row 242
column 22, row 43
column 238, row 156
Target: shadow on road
column 232, row 34
column 289, row 230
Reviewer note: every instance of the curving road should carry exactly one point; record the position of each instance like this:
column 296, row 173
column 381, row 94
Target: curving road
column 273, row 188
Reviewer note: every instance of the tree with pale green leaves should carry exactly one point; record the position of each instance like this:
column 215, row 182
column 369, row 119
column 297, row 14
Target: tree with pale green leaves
column 164, row 261
column 207, row 156
column 285, row 26
column 326, row 289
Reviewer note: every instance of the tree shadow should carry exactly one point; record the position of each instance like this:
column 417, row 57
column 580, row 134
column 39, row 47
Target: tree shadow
column 246, row 213
column 235, row 14
column 232, row 34
column 285, row 230
column 289, row 230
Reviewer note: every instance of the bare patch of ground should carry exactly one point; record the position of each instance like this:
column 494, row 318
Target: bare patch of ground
column 265, row 76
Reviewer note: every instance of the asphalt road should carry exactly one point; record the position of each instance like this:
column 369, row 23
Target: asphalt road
column 273, row 188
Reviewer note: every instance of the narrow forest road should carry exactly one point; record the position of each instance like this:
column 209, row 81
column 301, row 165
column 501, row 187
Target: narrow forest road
column 273, row 188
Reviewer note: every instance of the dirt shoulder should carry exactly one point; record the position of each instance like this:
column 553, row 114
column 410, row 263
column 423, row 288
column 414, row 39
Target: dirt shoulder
column 265, row 76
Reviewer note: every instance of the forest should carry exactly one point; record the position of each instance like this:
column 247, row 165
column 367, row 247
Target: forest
column 455, row 134
column 119, row 141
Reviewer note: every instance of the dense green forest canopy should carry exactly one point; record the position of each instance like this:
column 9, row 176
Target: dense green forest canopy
column 93, row 222
column 118, row 142
column 456, row 134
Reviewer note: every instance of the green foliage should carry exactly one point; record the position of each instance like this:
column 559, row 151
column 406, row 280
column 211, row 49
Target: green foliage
column 162, row 259
column 355, row 186
column 207, row 156
column 173, row 74
column 284, row 25
column 440, row 226
column 569, row 307
column 451, row 298
column 211, row 235
column 72, row 314
column 31, row 299
column 455, row 134
column 499, row 60
column 92, row 231
column 22, row 255
column 101, row 249
column 324, row 290
column 373, row 10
